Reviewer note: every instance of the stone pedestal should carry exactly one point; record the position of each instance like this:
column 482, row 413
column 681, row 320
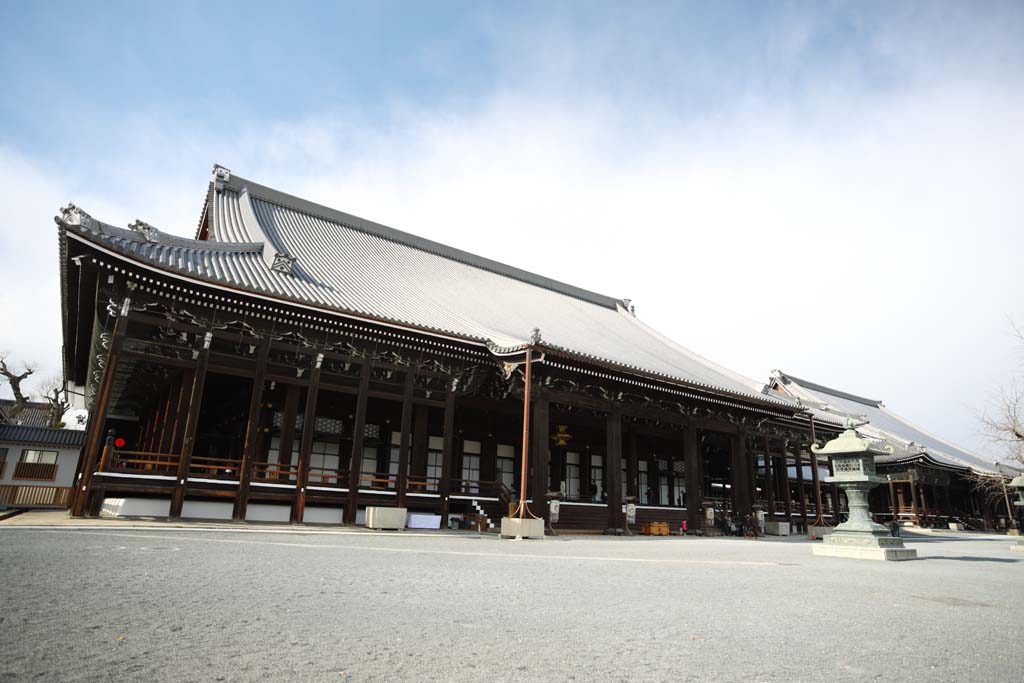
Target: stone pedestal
column 386, row 518
column 527, row 527
column 776, row 528
column 819, row 531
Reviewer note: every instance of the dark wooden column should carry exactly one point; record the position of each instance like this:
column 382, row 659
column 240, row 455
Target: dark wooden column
column 613, row 466
column 306, row 445
column 191, row 425
column 188, row 378
column 287, row 440
column 892, row 500
column 801, row 491
column 252, row 431
column 166, row 444
column 738, row 465
column 540, row 455
column 785, row 480
column 633, row 467
column 403, row 442
column 420, row 442
column 358, row 434
column 447, row 456
column 769, row 478
column 98, row 416
column 694, row 479
column 916, row 507
column 819, row 520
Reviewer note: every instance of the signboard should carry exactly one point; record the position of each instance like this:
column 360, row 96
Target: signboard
column 630, row 513
column 553, row 510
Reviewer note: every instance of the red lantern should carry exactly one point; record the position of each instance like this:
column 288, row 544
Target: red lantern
column 119, row 442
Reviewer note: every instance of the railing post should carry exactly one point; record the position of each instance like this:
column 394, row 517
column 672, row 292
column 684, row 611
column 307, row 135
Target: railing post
column 107, row 452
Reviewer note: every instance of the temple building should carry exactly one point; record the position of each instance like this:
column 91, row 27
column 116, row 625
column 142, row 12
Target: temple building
column 930, row 479
column 296, row 363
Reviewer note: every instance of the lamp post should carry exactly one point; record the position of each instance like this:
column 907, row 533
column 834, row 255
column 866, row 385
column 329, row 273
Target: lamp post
column 1017, row 483
column 853, row 459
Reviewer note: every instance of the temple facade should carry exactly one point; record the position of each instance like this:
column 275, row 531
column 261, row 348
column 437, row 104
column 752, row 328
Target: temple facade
column 296, row 363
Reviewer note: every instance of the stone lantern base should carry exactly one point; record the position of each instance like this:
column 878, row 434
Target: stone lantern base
column 864, row 545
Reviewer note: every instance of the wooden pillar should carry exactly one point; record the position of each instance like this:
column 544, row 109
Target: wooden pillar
column 447, row 456
column 540, row 455
column 819, row 520
column 358, row 434
column 769, row 478
column 924, row 504
column 252, row 431
column 801, row 491
column 174, row 406
column 306, row 445
column 892, row 500
column 694, row 479
column 191, row 425
column 98, row 416
column 291, row 410
column 613, row 466
column 915, row 507
column 633, row 467
column 740, row 484
column 420, row 442
column 181, row 414
column 403, row 442
column 784, row 476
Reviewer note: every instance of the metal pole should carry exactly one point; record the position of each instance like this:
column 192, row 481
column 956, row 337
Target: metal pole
column 526, row 437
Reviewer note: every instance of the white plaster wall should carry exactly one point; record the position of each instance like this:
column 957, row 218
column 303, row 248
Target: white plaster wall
column 67, row 463
column 136, row 507
column 322, row 515
column 201, row 509
column 265, row 512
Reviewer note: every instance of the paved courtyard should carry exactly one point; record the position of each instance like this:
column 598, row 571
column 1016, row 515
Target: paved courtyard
column 174, row 604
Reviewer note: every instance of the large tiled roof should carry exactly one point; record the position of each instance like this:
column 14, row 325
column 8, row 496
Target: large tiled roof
column 42, row 436
column 908, row 441
column 33, row 414
column 349, row 265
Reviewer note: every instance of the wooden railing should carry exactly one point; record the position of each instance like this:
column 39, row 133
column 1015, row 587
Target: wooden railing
column 35, row 470
column 34, row 496
column 215, row 468
column 139, row 462
column 274, row 472
column 321, row 476
column 380, row 481
column 418, row 483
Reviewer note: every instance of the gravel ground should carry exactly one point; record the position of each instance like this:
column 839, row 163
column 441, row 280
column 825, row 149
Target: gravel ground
column 174, row 604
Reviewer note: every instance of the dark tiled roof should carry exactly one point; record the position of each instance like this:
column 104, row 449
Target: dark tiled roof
column 34, row 414
column 282, row 247
column 42, row 436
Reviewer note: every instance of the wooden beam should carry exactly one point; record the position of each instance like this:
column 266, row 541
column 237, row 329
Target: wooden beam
column 191, row 425
column 306, row 445
column 403, row 442
column 252, row 431
column 358, row 434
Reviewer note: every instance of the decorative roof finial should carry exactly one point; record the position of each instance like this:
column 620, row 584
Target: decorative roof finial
column 72, row 215
column 535, row 336
column 148, row 232
column 221, row 175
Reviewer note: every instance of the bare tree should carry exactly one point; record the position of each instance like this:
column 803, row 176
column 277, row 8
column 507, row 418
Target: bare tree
column 15, row 378
column 1004, row 427
column 56, row 396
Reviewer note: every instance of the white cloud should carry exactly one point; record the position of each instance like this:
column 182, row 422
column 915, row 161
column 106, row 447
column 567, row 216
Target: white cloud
column 861, row 239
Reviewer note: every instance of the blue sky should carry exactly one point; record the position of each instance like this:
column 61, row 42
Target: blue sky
column 753, row 175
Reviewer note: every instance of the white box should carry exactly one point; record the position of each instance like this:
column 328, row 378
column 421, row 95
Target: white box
column 420, row 520
column 527, row 527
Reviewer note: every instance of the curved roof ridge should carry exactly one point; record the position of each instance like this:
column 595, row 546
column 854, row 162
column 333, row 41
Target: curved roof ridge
column 828, row 390
column 288, row 201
